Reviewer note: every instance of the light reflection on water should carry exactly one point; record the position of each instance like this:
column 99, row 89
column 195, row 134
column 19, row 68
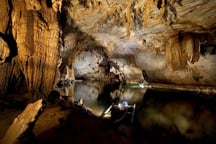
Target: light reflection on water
column 162, row 114
column 98, row 96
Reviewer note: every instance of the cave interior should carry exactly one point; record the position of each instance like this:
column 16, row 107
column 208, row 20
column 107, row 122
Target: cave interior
column 59, row 53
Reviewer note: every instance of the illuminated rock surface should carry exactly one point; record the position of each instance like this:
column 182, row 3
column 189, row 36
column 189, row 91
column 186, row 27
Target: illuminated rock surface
column 23, row 122
column 35, row 34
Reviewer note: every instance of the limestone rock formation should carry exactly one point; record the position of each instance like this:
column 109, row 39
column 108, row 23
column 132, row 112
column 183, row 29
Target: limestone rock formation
column 4, row 51
column 32, row 32
column 170, row 41
column 167, row 39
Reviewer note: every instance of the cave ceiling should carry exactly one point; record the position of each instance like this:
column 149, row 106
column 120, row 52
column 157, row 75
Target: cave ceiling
column 170, row 41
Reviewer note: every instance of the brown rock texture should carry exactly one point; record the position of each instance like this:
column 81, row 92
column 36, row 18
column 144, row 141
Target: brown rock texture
column 173, row 30
column 33, row 27
column 34, row 34
column 22, row 121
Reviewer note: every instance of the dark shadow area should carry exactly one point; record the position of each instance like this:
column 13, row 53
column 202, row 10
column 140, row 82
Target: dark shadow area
column 9, row 39
column 159, row 3
column 166, row 96
column 84, row 3
column 17, row 84
column 104, row 98
column 67, row 3
column 165, row 117
column 177, row 117
column 49, row 3
column 207, row 49
column 81, row 126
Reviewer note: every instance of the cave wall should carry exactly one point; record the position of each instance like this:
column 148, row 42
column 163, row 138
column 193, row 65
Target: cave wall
column 32, row 31
column 161, row 38
column 164, row 40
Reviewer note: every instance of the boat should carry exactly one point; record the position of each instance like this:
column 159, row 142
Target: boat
column 119, row 112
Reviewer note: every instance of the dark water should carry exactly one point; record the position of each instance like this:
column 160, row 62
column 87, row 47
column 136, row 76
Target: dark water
column 178, row 117
column 98, row 96
column 161, row 116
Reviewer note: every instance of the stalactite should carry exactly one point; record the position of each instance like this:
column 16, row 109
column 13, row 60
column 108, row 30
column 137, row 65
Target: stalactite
column 128, row 15
column 176, row 59
column 162, row 9
column 147, row 7
column 4, row 18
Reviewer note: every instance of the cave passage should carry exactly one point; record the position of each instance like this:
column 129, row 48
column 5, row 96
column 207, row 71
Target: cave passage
column 74, row 114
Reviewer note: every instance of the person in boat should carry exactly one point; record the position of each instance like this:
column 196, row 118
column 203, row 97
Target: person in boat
column 119, row 111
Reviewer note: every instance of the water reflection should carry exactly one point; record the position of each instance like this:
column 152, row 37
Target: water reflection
column 89, row 92
column 181, row 116
column 98, row 95
column 171, row 117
